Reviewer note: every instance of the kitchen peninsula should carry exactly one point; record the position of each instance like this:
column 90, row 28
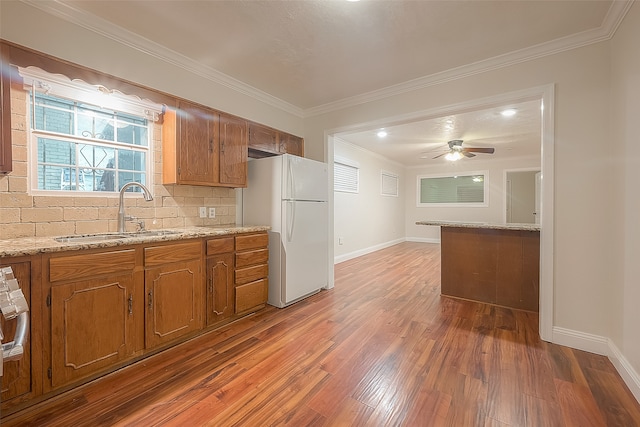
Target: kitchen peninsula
column 493, row 263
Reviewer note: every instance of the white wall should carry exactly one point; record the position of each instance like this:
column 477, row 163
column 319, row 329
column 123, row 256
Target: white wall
column 625, row 156
column 493, row 213
column 367, row 221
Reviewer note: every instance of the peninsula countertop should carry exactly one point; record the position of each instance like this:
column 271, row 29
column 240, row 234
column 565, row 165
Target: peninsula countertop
column 485, row 225
column 36, row 245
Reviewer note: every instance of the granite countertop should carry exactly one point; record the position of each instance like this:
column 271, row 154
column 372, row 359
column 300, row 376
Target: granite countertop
column 486, row 225
column 37, row 245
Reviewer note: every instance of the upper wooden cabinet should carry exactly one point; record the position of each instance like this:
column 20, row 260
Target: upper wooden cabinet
column 201, row 146
column 5, row 111
column 265, row 141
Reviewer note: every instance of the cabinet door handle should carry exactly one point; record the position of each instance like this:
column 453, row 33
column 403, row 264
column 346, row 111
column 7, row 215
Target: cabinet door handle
column 130, row 304
column 211, row 145
column 211, row 284
column 150, row 300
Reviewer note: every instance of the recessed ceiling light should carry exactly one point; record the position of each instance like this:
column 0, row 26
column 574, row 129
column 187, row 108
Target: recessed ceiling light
column 381, row 133
column 509, row 112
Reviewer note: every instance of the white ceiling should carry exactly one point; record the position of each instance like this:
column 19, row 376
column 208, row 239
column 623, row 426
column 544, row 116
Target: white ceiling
column 316, row 55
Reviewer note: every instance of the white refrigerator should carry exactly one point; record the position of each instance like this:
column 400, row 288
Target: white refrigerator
column 289, row 193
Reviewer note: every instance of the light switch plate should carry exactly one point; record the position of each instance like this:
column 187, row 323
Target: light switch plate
column 212, row 212
column 203, row 212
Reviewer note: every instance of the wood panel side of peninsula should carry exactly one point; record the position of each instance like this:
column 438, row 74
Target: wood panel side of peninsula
column 496, row 266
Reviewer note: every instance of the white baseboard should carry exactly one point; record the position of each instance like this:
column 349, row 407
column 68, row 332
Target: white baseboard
column 604, row 346
column 360, row 252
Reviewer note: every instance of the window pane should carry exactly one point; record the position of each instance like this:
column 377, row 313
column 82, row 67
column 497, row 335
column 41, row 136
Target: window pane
column 125, row 177
column 452, row 189
column 56, row 151
column 95, row 156
column 131, row 130
column 95, row 124
column 53, row 115
column 131, row 160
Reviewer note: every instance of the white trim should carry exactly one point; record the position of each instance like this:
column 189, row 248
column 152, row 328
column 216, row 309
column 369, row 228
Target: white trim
column 370, row 249
column 604, row 346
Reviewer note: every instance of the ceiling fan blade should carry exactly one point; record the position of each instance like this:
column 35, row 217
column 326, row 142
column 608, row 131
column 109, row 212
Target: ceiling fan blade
column 468, row 154
column 479, row 150
column 440, row 155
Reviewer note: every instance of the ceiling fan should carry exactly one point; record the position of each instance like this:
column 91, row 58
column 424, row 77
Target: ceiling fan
column 456, row 151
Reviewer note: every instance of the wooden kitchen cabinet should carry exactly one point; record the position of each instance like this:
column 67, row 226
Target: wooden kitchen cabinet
column 173, row 291
column 291, row 144
column 252, row 270
column 94, row 319
column 220, row 286
column 18, row 384
column 265, row 141
column 263, row 138
column 5, row 111
column 201, row 146
column 233, row 151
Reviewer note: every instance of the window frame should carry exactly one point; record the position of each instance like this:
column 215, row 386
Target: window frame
column 485, row 187
column 392, row 175
column 349, row 164
column 94, row 96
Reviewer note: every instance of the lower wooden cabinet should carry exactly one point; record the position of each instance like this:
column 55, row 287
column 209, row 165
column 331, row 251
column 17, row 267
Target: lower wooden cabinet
column 220, row 288
column 252, row 270
column 173, row 292
column 93, row 321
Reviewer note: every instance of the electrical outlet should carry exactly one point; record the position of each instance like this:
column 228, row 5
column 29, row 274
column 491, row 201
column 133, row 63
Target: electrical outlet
column 212, row 212
column 203, row 212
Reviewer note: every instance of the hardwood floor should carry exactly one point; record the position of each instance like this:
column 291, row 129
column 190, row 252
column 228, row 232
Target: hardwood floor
column 381, row 349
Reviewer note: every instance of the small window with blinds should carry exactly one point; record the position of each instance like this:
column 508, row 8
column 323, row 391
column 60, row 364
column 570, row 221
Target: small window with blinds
column 389, row 184
column 466, row 190
column 346, row 176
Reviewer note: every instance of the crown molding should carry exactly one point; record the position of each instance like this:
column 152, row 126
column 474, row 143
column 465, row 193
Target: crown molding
column 127, row 38
column 606, row 31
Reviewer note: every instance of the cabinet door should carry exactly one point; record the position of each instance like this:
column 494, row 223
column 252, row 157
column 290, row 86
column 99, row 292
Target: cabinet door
column 197, row 140
column 291, row 144
column 92, row 326
column 219, row 288
column 174, row 301
column 5, row 111
column 233, row 151
column 16, row 379
column 263, row 138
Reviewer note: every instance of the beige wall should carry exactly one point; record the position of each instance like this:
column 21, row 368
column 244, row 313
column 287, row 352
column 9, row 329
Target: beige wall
column 624, row 145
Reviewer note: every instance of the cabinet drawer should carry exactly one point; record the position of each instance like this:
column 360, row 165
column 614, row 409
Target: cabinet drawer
column 160, row 255
column 249, row 274
column 260, row 256
column 220, row 246
column 91, row 265
column 251, row 296
column 252, row 241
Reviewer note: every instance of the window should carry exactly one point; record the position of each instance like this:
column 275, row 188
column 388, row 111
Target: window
column 389, row 184
column 457, row 190
column 346, row 176
column 85, row 138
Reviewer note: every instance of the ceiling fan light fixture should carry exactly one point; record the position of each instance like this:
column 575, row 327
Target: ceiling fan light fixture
column 382, row 133
column 453, row 156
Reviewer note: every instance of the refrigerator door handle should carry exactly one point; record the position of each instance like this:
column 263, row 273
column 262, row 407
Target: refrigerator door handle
column 290, row 179
column 291, row 220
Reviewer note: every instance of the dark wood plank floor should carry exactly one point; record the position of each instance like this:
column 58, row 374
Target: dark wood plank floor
column 381, row 349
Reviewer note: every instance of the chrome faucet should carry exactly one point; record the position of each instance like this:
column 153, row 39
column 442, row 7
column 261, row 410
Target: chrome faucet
column 121, row 216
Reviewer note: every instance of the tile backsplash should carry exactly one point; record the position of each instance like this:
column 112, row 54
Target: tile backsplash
column 23, row 214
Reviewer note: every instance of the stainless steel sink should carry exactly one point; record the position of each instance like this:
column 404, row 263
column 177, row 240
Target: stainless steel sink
column 88, row 238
